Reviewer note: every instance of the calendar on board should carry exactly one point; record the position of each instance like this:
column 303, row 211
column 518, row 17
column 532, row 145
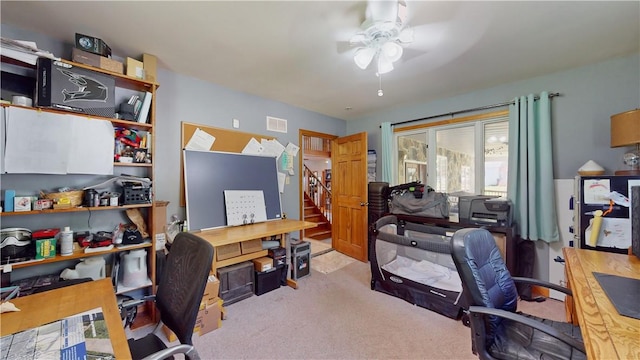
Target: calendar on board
column 244, row 207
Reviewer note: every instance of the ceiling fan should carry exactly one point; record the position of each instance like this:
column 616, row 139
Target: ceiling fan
column 382, row 35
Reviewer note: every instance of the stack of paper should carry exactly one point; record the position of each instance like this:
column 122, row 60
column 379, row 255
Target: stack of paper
column 25, row 51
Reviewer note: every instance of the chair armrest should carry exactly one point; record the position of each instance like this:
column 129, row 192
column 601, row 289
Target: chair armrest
column 188, row 350
column 531, row 323
column 542, row 283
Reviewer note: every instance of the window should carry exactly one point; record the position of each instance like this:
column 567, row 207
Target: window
column 469, row 155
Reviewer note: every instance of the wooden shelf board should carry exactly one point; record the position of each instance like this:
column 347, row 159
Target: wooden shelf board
column 241, row 258
column 74, row 209
column 124, row 123
column 78, row 254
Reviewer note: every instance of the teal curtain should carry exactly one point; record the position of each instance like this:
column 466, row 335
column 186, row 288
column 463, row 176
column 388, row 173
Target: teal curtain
column 530, row 186
column 387, row 152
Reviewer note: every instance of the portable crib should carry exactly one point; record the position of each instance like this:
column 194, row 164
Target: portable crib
column 413, row 262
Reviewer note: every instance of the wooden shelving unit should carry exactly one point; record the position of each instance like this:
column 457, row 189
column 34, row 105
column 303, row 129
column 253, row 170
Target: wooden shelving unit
column 128, row 85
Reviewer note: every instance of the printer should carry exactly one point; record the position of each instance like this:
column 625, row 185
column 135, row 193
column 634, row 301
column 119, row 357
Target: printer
column 485, row 210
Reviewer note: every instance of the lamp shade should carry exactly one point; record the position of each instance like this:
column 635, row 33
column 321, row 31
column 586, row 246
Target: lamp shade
column 625, row 128
column 364, row 56
column 392, row 50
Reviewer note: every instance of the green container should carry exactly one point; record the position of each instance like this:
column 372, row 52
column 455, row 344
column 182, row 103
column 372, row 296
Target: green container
column 45, row 248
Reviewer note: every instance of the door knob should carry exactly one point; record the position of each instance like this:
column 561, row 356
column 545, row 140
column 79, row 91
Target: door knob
column 364, row 204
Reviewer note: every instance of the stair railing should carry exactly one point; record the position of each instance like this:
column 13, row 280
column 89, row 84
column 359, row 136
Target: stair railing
column 318, row 192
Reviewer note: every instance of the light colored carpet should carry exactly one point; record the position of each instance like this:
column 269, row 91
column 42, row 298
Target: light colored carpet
column 338, row 316
column 318, row 246
column 330, row 262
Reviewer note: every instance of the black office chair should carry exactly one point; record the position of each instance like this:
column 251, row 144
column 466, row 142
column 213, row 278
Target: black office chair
column 490, row 299
column 178, row 298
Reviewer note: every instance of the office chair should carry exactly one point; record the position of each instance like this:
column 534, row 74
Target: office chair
column 490, row 299
column 178, row 298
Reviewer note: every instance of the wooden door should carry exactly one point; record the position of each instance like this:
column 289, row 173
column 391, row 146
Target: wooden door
column 349, row 195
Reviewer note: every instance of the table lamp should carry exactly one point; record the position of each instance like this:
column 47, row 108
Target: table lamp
column 625, row 131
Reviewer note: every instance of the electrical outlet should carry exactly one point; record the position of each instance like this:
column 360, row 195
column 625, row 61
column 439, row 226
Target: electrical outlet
column 236, row 123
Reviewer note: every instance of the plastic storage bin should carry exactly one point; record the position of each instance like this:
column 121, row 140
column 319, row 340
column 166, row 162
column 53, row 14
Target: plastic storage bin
column 236, row 282
column 267, row 280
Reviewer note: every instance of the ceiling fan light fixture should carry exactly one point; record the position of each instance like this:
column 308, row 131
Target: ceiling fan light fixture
column 364, row 56
column 392, row 50
column 384, row 64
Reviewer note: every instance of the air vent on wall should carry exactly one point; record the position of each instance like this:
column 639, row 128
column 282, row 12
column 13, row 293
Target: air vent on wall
column 275, row 124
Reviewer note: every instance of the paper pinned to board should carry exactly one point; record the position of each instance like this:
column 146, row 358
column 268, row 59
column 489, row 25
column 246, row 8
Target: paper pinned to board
column 253, row 147
column 292, row 149
column 200, row 140
column 614, row 232
column 282, row 178
column 596, row 191
column 272, row 147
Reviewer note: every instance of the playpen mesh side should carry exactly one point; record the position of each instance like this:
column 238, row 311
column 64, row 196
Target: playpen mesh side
column 415, row 266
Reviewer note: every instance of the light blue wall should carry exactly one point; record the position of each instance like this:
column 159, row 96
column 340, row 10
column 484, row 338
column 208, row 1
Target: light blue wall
column 182, row 98
column 581, row 115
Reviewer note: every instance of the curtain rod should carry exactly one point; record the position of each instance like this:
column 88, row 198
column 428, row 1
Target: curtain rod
column 551, row 95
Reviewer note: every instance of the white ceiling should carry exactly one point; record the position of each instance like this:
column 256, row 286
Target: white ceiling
column 293, row 51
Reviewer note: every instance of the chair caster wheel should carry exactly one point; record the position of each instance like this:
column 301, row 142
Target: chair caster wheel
column 465, row 320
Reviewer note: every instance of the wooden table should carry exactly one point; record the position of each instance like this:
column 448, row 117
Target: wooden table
column 237, row 234
column 53, row 305
column 607, row 334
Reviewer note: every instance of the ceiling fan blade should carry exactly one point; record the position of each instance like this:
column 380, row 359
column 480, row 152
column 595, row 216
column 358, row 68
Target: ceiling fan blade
column 402, row 12
column 344, row 46
column 427, row 37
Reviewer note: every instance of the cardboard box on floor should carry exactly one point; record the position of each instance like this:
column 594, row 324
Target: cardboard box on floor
column 211, row 291
column 209, row 319
column 210, row 309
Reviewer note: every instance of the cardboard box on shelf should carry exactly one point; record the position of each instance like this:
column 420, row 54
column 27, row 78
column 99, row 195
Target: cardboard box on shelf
column 92, row 44
column 228, row 251
column 22, row 203
column 263, row 264
column 45, row 248
column 72, row 88
column 96, row 60
column 251, row 246
column 150, row 63
column 135, row 68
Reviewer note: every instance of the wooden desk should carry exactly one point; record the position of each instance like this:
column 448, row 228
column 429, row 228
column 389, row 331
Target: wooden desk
column 606, row 334
column 50, row 306
column 236, row 234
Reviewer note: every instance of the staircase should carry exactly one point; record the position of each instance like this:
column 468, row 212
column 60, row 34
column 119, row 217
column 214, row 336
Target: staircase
column 314, row 214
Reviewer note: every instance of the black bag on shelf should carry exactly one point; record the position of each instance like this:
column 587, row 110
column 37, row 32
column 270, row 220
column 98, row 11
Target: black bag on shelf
column 431, row 204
